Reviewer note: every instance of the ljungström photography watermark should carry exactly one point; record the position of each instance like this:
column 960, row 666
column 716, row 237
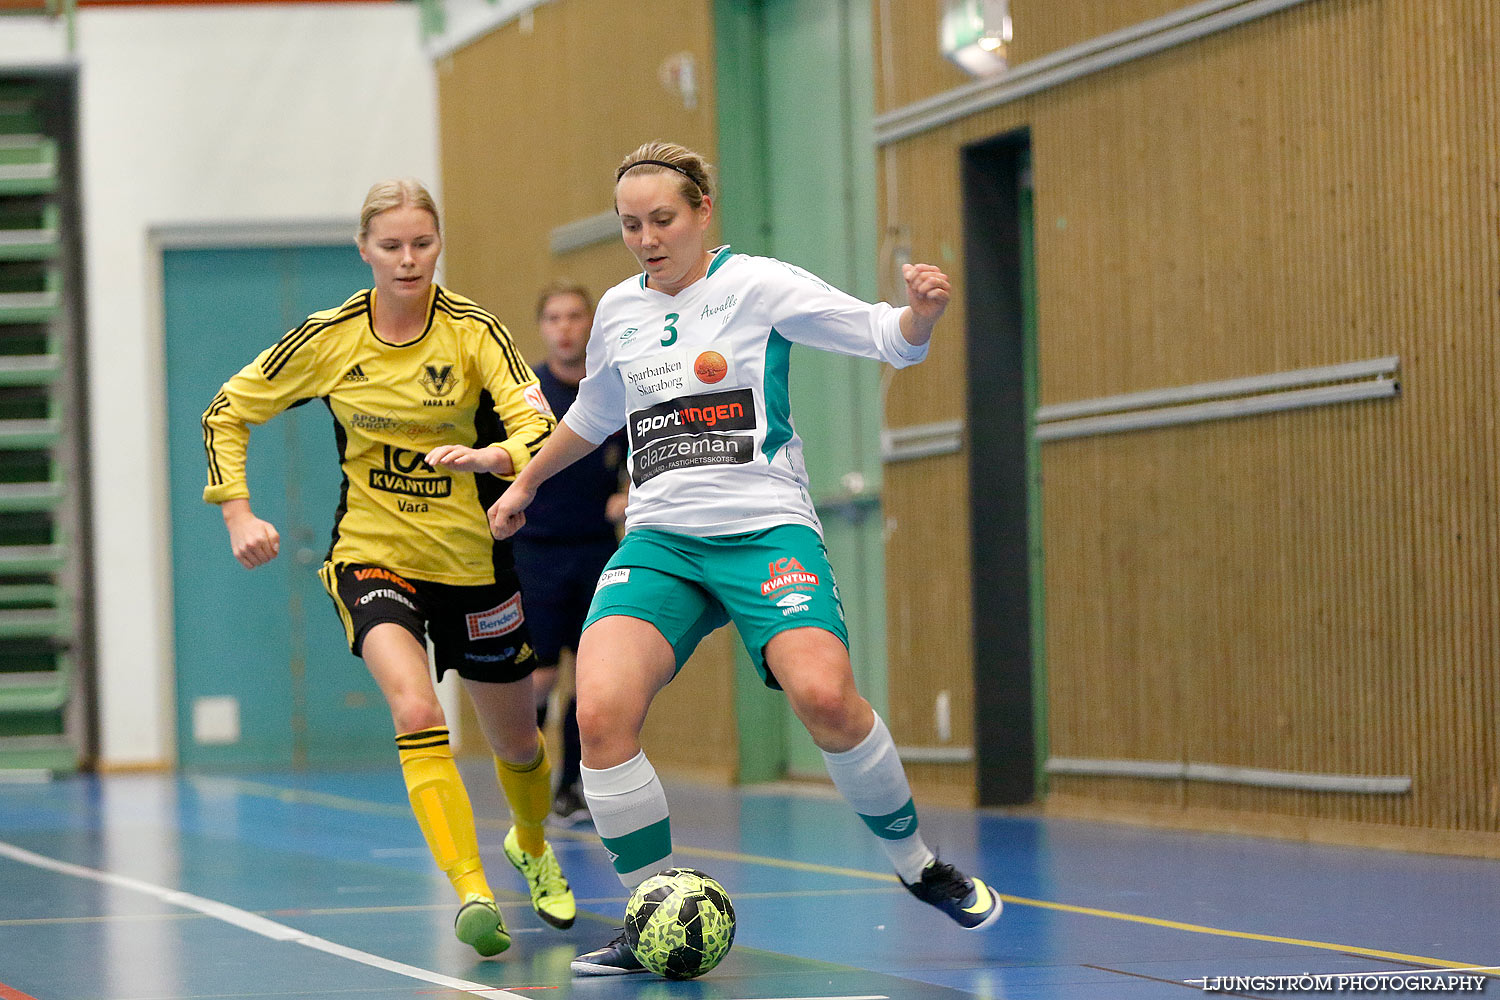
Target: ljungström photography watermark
column 1416, row 981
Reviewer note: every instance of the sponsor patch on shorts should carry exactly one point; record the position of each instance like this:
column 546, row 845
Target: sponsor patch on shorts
column 610, row 576
column 498, row 620
column 383, row 593
column 794, row 603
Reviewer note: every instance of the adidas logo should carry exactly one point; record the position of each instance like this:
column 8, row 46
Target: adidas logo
column 356, row 374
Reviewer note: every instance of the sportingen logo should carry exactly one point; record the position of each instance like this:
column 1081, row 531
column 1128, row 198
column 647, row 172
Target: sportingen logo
column 732, row 410
column 688, row 431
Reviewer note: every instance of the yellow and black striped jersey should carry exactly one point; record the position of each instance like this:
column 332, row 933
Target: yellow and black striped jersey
column 461, row 382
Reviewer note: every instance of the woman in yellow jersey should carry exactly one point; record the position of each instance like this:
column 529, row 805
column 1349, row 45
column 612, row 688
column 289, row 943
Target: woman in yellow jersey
column 433, row 407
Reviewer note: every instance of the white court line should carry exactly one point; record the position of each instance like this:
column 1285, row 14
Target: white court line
column 250, row 922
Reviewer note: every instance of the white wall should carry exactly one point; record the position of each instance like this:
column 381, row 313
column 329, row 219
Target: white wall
column 193, row 116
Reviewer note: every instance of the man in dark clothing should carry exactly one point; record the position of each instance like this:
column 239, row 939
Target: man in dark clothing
column 569, row 535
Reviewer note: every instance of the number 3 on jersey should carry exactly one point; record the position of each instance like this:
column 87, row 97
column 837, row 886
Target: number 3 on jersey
column 670, row 332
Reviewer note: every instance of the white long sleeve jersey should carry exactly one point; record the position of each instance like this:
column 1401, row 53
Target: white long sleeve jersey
column 699, row 380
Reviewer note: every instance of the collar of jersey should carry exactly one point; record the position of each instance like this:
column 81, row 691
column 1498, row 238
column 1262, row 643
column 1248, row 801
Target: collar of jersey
column 432, row 297
column 721, row 254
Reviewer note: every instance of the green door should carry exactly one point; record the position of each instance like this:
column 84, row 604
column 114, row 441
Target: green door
column 797, row 161
column 262, row 648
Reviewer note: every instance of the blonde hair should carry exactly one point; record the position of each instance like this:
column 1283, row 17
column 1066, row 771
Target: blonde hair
column 562, row 286
column 695, row 172
column 394, row 193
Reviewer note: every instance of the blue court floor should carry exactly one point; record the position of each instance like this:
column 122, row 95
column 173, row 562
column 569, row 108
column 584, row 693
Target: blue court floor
column 294, row 886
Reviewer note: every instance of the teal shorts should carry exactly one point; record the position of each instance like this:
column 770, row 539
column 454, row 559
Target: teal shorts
column 764, row 581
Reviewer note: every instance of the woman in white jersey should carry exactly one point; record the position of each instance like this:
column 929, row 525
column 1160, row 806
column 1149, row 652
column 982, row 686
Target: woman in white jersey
column 691, row 358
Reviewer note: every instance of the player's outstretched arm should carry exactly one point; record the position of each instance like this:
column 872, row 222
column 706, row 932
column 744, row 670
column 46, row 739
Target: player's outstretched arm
column 464, row 459
column 562, row 449
column 254, row 542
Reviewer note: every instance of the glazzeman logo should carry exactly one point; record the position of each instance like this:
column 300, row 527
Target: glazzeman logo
column 438, row 380
column 402, row 475
column 687, row 431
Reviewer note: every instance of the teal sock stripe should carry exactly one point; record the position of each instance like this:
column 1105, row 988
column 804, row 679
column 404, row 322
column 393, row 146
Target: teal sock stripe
column 640, row 848
column 894, row 826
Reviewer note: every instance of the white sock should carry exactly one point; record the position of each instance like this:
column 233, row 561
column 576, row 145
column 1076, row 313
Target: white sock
column 871, row 779
column 629, row 807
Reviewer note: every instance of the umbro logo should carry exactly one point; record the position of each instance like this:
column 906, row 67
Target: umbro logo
column 901, row 825
column 356, row 374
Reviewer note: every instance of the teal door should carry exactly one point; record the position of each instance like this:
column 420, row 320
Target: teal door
column 264, row 679
column 796, row 153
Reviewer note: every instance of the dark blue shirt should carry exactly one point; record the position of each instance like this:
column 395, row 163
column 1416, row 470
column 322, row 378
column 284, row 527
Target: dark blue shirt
column 570, row 505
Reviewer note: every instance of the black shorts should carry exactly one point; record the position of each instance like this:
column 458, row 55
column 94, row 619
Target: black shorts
column 559, row 577
column 479, row 631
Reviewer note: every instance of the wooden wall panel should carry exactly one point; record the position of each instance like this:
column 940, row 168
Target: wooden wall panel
column 533, row 124
column 912, row 64
column 1308, row 591
column 532, row 127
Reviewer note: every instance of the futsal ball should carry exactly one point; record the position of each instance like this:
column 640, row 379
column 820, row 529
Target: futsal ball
column 679, row 923
column 710, row 367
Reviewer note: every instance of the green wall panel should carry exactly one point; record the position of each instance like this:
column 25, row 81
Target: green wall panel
column 797, row 169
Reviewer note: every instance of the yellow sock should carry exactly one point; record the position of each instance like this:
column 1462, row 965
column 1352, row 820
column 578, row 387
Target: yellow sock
column 442, row 808
column 528, row 789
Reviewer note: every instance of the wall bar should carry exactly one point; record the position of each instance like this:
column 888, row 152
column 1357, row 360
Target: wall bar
column 1251, row 385
column 1076, row 61
column 921, row 440
column 1224, row 409
column 1226, row 775
column 580, row 233
column 936, row 755
column 271, row 233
